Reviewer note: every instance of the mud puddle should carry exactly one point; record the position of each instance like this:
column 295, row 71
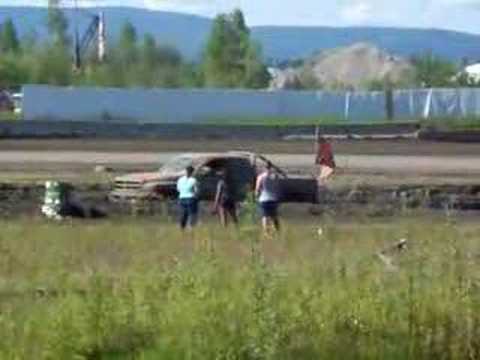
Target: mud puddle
column 25, row 200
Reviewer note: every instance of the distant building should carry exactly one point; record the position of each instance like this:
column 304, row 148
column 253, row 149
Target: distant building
column 473, row 73
column 17, row 99
column 283, row 79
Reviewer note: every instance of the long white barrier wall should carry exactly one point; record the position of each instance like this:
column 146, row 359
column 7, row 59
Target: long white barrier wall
column 190, row 106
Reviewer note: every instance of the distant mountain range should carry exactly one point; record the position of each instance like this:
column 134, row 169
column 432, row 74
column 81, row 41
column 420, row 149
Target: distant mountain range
column 189, row 33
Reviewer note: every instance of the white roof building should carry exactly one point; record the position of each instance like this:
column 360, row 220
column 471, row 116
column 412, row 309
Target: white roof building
column 473, row 72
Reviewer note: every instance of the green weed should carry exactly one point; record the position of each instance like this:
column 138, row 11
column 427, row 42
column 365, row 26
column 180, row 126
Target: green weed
column 138, row 289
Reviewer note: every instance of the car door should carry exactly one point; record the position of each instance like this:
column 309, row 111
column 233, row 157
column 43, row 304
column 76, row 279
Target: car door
column 241, row 175
column 298, row 189
column 207, row 180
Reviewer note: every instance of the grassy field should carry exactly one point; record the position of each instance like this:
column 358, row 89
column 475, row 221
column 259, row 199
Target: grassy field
column 454, row 124
column 279, row 121
column 9, row 116
column 471, row 122
column 138, row 289
column 447, row 123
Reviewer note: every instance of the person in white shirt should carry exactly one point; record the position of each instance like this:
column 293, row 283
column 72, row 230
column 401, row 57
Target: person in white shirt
column 268, row 195
column 187, row 188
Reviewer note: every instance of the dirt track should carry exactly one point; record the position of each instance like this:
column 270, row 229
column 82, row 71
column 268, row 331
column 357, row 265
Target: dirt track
column 344, row 147
column 378, row 162
column 443, row 165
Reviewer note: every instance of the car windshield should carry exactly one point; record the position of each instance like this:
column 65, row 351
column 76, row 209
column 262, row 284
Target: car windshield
column 177, row 164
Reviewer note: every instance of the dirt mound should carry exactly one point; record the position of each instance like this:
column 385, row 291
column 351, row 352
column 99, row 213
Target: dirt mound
column 358, row 66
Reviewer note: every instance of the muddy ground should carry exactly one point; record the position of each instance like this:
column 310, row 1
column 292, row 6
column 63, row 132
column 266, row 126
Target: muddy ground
column 363, row 201
column 375, row 178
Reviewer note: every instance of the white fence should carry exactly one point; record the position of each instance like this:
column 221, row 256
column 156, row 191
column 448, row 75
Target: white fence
column 191, row 106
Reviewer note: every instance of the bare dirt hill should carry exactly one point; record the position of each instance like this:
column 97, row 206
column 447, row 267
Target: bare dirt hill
column 358, row 66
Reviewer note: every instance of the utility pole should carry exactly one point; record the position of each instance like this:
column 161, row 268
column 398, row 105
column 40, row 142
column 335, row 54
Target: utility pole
column 102, row 38
column 96, row 32
column 77, row 62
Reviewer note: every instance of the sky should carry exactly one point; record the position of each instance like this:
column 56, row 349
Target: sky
column 461, row 15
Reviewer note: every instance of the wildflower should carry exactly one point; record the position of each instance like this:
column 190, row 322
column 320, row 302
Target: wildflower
column 320, row 232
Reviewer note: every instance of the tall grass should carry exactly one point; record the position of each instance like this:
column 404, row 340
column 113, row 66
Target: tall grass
column 276, row 121
column 140, row 290
column 446, row 123
column 9, row 116
column 453, row 123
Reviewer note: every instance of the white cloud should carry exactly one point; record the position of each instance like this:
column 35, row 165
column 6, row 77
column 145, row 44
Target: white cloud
column 161, row 4
column 461, row 3
column 356, row 12
column 451, row 14
column 200, row 7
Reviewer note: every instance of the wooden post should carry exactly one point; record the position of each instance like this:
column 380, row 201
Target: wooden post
column 315, row 154
column 389, row 104
column 316, row 141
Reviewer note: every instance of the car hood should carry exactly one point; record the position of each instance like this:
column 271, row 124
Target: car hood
column 146, row 177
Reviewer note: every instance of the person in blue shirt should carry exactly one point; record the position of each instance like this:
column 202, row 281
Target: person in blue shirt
column 187, row 187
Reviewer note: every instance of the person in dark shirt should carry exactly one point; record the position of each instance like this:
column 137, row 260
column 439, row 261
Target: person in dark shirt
column 225, row 203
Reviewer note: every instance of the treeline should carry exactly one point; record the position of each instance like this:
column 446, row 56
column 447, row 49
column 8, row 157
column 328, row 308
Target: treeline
column 231, row 58
column 429, row 71
column 423, row 71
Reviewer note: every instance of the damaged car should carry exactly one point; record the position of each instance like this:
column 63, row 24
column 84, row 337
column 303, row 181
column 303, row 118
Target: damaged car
column 242, row 167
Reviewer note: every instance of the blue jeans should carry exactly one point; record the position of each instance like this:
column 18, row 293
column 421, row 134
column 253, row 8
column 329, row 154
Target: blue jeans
column 189, row 212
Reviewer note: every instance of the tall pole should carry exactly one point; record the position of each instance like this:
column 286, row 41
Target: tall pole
column 78, row 62
column 102, row 38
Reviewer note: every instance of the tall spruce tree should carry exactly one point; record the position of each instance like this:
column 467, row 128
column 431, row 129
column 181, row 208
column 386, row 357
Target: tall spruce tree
column 127, row 45
column 9, row 42
column 57, row 24
column 231, row 58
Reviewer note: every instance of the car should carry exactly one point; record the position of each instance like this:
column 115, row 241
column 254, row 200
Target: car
column 17, row 99
column 243, row 167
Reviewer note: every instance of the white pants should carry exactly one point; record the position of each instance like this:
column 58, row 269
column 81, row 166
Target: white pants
column 325, row 173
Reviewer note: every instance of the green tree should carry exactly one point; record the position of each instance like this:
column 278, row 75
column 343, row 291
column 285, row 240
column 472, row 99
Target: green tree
column 57, row 24
column 52, row 66
column 240, row 35
column 215, row 59
column 8, row 38
column 238, row 22
column 154, row 55
column 168, row 55
column 129, row 62
column 13, row 73
column 29, row 41
column 256, row 73
column 432, row 71
column 127, row 46
column 149, row 52
column 231, row 58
